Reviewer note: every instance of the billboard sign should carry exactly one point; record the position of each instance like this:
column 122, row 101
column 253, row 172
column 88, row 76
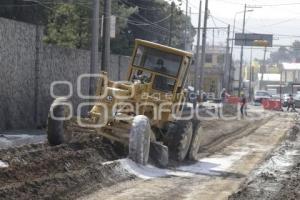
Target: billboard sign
column 253, row 39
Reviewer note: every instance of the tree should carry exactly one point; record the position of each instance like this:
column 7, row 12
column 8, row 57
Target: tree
column 282, row 55
column 69, row 24
column 64, row 27
column 26, row 11
column 295, row 51
column 152, row 22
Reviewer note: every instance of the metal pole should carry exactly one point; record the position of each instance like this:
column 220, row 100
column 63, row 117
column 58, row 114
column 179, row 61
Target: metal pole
column 242, row 52
column 105, row 61
column 262, row 69
column 213, row 40
column 280, row 89
column 95, row 48
column 250, row 76
column 36, row 65
column 171, row 23
column 231, row 56
column 186, row 20
column 190, row 46
column 196, row 74
column 203, row 46
column 226, row 68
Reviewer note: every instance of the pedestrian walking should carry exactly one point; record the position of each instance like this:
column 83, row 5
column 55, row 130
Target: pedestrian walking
column 243, row 105
column 291, row 104
column 224, row 95
column 204, row 96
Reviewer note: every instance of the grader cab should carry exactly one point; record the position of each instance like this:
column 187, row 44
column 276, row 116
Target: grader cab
column 144, row 113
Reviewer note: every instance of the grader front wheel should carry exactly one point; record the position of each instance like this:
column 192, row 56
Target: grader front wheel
column 139, row 140
column 55, row 123
column 180, row 134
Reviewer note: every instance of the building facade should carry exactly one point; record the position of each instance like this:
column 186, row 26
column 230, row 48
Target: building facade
column 214, row 78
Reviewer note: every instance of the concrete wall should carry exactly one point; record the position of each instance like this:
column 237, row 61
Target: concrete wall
column 28, row 67
column 17, row 61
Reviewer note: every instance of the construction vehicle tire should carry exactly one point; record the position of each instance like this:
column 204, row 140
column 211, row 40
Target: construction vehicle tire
column 195, row 143
column 179, row 139
column 139, row 140
column 55, row 126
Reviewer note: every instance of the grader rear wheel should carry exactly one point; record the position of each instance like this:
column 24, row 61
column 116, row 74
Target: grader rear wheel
column 55, row 127
column 180, row 134
column 195, row 143
column 139, row 140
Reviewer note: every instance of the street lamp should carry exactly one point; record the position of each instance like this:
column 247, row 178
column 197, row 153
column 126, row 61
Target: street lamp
column 250, row 76
column 232, row 41
column 242, row 46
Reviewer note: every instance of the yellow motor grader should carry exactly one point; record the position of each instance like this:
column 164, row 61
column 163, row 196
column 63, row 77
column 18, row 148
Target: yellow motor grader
column 146, row 113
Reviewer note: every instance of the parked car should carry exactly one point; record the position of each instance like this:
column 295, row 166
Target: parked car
column 276, row 96
column 297, row 100
column 260, row 95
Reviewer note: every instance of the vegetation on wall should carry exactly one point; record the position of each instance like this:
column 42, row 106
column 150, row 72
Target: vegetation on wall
column 68, row 22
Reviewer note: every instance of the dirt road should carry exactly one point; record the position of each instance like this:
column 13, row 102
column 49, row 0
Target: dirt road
column 213, row 177
column 278, row 178
column 94, row 169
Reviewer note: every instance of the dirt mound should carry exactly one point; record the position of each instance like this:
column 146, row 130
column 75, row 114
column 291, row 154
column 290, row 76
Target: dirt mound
column 40, row 171
column 279, row 176
column 291, row 186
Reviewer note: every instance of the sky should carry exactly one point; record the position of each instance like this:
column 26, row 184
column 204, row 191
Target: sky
column 278, row 17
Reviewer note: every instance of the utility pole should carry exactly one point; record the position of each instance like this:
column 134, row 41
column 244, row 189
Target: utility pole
column 190, row 46
column 171, row 23
column 262, row 69
column 38, row 34
column 196, row 74
column 280, row 89
column 250, row 76
column 203, row 46
column 95, row 48
column 226, row 67
column 105, row 61
column 242, row 53
column 186, row 21
column 231, row 55
column 213, row 40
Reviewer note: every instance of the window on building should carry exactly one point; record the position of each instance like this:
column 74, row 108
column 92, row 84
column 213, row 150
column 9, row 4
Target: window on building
column 208, row 58
column 220, row 59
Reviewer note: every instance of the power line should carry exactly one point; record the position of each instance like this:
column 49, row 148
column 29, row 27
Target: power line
column 148, row 30
column 281, row 4
column 193, row 5
column 140, row 7
column 231, row 2
column 277, row 23
column 220, row 20
column 157, row 27
column 279, row 35
column 266, row 5
column 147, row 20
column 213, row 21
column 147, row 24
column 151, row 23
column 283, row 35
